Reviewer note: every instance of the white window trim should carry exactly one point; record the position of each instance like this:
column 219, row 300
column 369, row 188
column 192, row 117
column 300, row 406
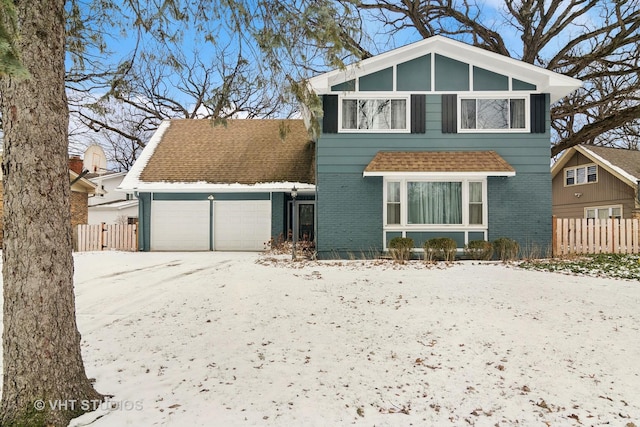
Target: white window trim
column 496, row 95
column 465, row 226
column 608, row 207
column 575, row 174
column 375, row 95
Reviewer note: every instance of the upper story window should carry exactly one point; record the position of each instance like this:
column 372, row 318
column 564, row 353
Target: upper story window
column 374, row 114
column 507, row 114
column 581, row 175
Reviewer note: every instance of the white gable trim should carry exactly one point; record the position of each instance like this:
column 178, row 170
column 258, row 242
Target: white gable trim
column 557, row 85
column 131, row 181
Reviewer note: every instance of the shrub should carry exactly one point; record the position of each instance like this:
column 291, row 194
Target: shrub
column 479, row 250
column 400, row 248
column 440, row 248
column 506, row 249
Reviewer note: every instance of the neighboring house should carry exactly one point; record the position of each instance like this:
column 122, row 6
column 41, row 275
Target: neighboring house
column 596, row 182
column 81, row 189
column 111, row 207
column 437, row 138
column 225, row 187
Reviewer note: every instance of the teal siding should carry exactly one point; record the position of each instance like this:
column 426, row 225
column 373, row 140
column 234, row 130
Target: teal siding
column 217, row 196
column 414, row 75
column 379, row 81
column 350, row 207
column 349, row 215
column 520, row 85
column 520, row 208
column 349, row 85
column 451, row 75
column 144, row 222
column 278, row 221
column 488, row 80
column 420, row 237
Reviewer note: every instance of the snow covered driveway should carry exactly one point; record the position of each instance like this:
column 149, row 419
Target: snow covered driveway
column 199, row 339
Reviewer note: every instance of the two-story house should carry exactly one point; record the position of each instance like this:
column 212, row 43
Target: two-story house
column 437, row 138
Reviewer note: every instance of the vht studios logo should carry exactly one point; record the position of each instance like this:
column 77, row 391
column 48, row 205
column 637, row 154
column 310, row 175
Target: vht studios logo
column 88, row 405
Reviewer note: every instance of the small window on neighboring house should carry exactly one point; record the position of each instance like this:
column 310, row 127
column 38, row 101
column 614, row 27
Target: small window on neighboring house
column 604, row 212
column 374, row 114
column 393, row 203
column 581, row 175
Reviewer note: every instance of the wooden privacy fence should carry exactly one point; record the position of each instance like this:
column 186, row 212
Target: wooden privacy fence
column 594, row 236
column 106, row 237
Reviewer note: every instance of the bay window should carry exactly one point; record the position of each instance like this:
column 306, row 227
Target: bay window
column 426, row 203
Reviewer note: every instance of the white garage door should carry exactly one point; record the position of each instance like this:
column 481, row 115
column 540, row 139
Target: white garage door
column 241, row 225
column 180, row 225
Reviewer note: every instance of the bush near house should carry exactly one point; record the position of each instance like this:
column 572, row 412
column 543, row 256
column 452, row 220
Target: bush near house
column 479, row 250
column 400, row 248
column 506, row 249
column 440, row 248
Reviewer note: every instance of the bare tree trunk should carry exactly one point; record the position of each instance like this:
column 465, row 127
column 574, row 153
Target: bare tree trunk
column 41, row 343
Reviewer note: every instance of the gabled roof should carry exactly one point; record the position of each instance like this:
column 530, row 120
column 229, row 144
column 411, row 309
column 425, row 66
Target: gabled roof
column 487, row 163
column 557, row 85
column 245, row 155
column 620, row 162
column 82, row 185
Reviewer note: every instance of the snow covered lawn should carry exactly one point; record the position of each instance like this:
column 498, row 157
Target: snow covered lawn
column 199, row 339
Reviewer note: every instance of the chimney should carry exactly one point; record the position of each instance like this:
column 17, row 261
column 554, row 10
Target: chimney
column 76, row 164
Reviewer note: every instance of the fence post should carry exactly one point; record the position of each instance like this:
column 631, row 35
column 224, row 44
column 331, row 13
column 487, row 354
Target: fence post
column 554, row 236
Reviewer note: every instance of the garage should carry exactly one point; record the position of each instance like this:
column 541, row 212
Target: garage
column 241, row 225
column 181, row 225
column 185, row 225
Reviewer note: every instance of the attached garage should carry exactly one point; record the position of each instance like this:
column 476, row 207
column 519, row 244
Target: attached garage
column 186, row 225
column 202, row 187
column 180, row 225
column 241, row 225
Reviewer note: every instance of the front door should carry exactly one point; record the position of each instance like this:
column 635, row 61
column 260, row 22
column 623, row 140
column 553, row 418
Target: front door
column 305, row 217
column 305, row 221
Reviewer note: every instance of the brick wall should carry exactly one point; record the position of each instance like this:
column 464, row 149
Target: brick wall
column 349, row 215
column 79, row 209
column 520, row 208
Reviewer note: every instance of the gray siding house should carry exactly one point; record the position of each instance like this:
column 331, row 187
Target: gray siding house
column 437, row 138
column 596, row 182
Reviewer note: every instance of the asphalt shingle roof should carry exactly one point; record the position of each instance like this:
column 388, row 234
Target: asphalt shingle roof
column 627, row 160
column 243, row 151
column 438, row 161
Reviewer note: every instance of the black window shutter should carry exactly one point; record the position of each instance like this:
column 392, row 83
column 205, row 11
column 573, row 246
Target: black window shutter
column 330, row 118
column 418, row 113
column 449, row 114
column 538, row 119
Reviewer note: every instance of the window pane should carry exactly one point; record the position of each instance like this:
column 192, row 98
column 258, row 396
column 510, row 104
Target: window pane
column 475, row 192
column 581, row 175
column 468, row 114
column 349, row 113
column 374, row 114
column 592, row 174
column 398, row 114
column 570, row 177
column 475, row 214
column 434, row 202
column 603, row 213
column 591, row 213
column 393, row 192
column 493, row 114
column 616, row 212
column 393, row 213
column 517, row 114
